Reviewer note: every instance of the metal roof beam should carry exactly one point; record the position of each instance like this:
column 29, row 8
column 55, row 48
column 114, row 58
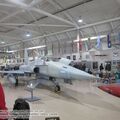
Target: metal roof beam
column 40, row 25
column 68, row 30
column 52, row 16
column 5, row 36
column 40, row 11
column 59, row 11
column 34, row 2
column 7, row 5
column 22, row 29
column 11, row 15
column 54, row 3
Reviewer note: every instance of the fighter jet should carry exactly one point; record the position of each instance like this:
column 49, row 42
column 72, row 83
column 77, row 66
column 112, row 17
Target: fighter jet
column 50, row 70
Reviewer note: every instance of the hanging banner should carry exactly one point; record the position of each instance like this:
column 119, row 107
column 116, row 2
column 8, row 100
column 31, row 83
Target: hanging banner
column 65, row 47
column 98, row 46
column 109, row 41
column 72, row 46
column 79, row 42
column 86, row 45
column 52, row 49
column 89, row 44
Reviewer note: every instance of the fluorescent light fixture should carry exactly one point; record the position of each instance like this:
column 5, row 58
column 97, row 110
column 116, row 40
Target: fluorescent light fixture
column 91, row 38
column 80, row 20
column 2, row 42
column 31, row 48
column 84, row 39
column 36, row 47
column 96, row 37
column 12, row 51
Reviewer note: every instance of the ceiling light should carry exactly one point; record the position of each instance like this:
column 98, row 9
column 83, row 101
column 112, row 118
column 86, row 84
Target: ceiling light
column 2, row 42
column 80, row 20
column 12, row 51
column 28, row 35
column 36, row 47
column 91, row 38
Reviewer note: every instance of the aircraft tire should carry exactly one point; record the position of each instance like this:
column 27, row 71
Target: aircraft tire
column 57, row 88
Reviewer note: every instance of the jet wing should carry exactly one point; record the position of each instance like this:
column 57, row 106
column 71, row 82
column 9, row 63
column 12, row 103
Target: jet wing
column 65, row 61
column 12, row 72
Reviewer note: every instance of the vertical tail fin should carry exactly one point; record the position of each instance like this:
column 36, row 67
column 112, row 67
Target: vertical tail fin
column 26, row 59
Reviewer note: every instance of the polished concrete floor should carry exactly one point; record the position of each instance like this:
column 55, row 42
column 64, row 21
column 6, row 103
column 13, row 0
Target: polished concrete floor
column 81, row 101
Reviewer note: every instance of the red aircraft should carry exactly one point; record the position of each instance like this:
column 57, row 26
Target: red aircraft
column 113, row 89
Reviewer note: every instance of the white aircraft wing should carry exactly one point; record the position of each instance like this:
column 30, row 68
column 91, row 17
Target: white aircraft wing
column 12, row 72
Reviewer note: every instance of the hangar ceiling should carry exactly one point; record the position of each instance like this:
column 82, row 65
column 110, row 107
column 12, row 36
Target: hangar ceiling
column 54, row 20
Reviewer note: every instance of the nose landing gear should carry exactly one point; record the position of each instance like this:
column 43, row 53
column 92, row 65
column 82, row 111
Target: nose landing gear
column 57, row 87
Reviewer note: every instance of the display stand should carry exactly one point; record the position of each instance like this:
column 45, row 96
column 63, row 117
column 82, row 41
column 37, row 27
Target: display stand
column 30, row 88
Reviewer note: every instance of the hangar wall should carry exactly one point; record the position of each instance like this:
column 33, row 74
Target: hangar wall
column 65, row 50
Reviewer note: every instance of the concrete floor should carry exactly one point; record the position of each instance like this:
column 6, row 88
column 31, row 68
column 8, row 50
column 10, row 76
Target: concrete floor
column 82, row 101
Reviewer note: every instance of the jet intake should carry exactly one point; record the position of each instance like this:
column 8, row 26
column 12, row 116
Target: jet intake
column 36, row 70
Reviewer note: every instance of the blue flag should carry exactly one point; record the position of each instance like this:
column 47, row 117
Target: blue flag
column 109, row 41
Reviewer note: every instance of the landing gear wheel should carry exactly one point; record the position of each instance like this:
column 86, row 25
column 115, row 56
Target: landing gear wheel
column 57, row 88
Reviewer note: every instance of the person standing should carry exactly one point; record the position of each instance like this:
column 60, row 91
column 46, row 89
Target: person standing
column 84, row 67
column 101, row 67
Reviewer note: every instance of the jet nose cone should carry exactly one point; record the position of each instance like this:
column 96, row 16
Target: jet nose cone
column 81, row 75
column 89, row 76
